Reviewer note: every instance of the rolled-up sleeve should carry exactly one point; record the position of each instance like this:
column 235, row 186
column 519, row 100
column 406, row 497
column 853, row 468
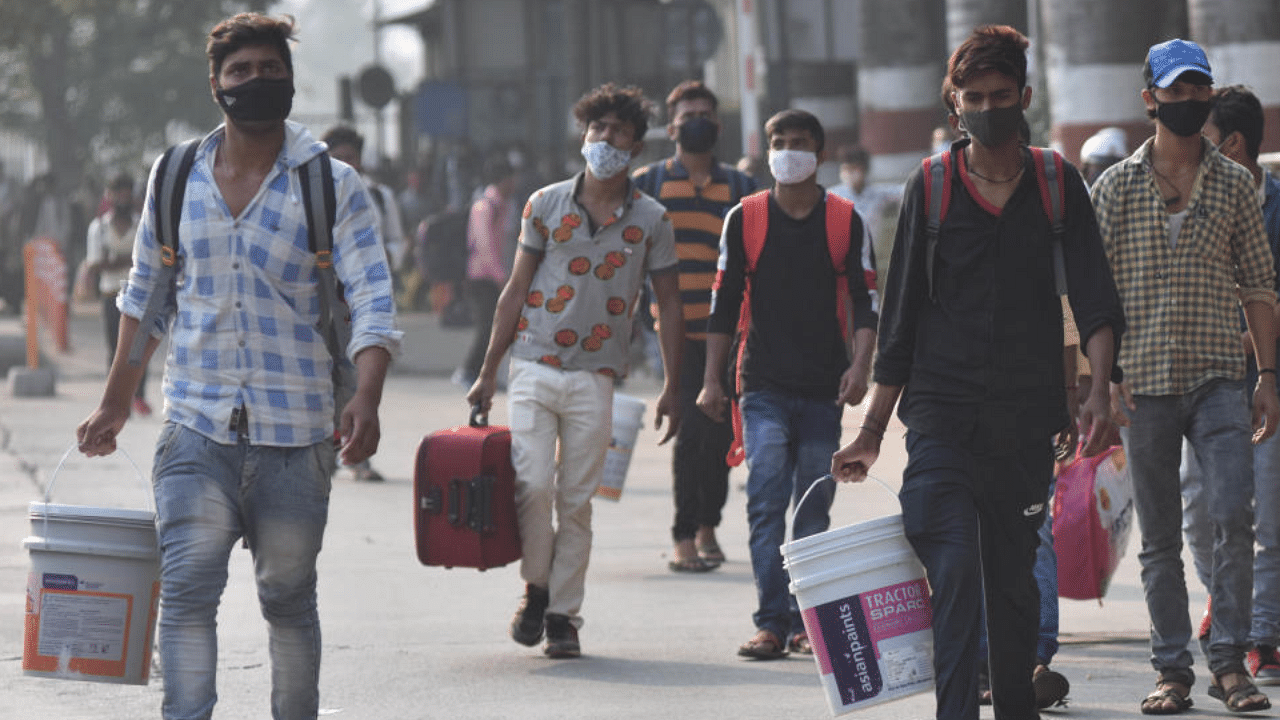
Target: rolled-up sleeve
column 133, row 300
column 361, row 264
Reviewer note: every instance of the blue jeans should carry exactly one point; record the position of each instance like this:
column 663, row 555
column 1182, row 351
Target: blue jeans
column 789, row 441
column 1046, row 572
column 974, row 521
column 1215, row 419
column 208, row 496
column 1266, row 526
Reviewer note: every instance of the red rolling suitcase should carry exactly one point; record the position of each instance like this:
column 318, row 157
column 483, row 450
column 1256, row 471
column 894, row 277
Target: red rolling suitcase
column 464, row 497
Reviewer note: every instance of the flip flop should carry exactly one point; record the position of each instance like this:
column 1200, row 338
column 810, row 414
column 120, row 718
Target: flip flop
column 690, row 565
column 799, row 644
column 711, row 553
column 763, row 646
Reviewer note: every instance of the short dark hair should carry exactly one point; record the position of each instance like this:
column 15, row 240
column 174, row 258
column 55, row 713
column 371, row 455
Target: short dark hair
column 990, row 47
column 1237, row 109
column 628, row 103
column 250, row 30
column 344, row 135
column 121, row 181
column 853, row 155
column 794, row 119
column 690, row 90
column 948, row 93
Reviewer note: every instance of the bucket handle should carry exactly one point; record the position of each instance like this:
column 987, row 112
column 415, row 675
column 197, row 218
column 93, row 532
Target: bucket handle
column 48, row 490
column 814, row 484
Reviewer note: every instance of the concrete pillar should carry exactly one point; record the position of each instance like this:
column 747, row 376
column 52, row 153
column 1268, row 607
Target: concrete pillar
column 902, row 59
column 965, row 15
column 1094, row 53
column 1242, row 40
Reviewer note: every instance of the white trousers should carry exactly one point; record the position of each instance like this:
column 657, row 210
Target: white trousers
column 570, row 412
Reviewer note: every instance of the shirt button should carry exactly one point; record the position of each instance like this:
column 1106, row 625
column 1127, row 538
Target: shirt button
column 241, row 343
column 237, row 304
column 235, row 266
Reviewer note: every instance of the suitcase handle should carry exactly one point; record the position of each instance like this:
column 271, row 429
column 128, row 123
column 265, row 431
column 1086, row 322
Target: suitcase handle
column 479, row 418
column 480, row 503
column 456, row 488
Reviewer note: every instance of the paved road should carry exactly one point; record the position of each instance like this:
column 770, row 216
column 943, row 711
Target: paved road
column 403, row 641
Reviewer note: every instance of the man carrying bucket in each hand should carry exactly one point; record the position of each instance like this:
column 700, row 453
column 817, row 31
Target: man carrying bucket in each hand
column 974, row 334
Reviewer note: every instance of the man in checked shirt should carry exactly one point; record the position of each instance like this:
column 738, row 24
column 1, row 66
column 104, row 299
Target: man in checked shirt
column 247, row 448
column 1183, row 232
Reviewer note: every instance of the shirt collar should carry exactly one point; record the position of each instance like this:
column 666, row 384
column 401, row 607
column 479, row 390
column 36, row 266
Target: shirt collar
column 627, row 199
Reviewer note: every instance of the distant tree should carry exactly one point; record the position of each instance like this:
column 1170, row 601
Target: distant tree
column 101, row 79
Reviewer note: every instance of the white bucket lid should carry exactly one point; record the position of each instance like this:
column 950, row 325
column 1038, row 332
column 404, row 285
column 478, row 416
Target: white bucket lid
column 857, row 567
column 843, row 538
column 38, row 512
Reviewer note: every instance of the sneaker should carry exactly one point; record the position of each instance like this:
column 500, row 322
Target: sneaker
column 1206, row 622
column 1051, row 687
column 562, row 637
column 526, row 626
column 140, row 407
column 1264, row 665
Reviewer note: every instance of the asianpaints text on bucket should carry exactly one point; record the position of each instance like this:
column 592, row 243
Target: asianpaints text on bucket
column 865, row 602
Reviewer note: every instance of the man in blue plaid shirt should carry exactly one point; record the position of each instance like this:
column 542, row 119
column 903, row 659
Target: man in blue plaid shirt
column 247, row 447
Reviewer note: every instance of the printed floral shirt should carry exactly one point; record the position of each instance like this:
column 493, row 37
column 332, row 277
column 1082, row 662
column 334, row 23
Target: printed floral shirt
column 579, row 311
column 1182, row 302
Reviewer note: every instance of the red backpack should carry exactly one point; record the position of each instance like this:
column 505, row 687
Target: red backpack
column 755, row 226
column 937, row 200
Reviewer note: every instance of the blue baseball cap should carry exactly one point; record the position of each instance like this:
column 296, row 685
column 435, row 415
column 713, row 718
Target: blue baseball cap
column 1170, row 59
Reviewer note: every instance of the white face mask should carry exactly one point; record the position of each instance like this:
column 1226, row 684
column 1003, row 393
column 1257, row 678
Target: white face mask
column 792, row 166
column 605, row 160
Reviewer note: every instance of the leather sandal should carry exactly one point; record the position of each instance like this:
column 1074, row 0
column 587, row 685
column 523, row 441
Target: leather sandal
column 764, row 645
column 1236, row 699
column 1166, row 700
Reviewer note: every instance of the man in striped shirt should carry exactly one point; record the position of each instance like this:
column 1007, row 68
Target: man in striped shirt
column 698, row 192
column 1182, row 229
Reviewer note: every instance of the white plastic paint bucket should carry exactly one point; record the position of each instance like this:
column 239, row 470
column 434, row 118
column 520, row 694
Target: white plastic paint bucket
column 93, row 592
column 628, row 416
column 865, row 603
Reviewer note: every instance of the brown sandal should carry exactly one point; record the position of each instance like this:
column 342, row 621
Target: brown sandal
column 764, row 645
column 1237, row 698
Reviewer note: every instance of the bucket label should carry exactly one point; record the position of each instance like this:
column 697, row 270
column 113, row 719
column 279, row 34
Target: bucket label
column 83, row 625
column 874, row 643
column 59, row 581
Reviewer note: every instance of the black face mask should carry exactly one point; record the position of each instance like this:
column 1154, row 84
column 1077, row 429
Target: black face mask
column 994, row 127
column 1184, row 118
column 258, row 99
column 698, row 135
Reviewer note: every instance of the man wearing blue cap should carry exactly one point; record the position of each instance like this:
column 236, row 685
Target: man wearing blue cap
column 1183, row 233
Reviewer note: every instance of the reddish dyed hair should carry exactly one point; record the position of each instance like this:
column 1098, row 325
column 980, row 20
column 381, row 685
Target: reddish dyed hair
column 990, row 47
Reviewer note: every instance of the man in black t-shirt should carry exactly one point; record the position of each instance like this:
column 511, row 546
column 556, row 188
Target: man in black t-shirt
column 798, row 368
column 975, row 348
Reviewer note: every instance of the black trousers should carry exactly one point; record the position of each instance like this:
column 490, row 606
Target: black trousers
column 701, row 477
column 974, row 519
column 111, row 327
column 482, row 295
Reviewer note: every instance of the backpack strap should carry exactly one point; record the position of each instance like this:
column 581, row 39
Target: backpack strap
column 839, row 222
column 334, row 324
column 755, row 225
column 1053, row 197
column 937, row 200
column 167, row 193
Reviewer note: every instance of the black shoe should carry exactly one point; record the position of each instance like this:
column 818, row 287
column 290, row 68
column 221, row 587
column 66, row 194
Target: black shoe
column 526, row 626
column 1050, row 686
column 562, row 637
